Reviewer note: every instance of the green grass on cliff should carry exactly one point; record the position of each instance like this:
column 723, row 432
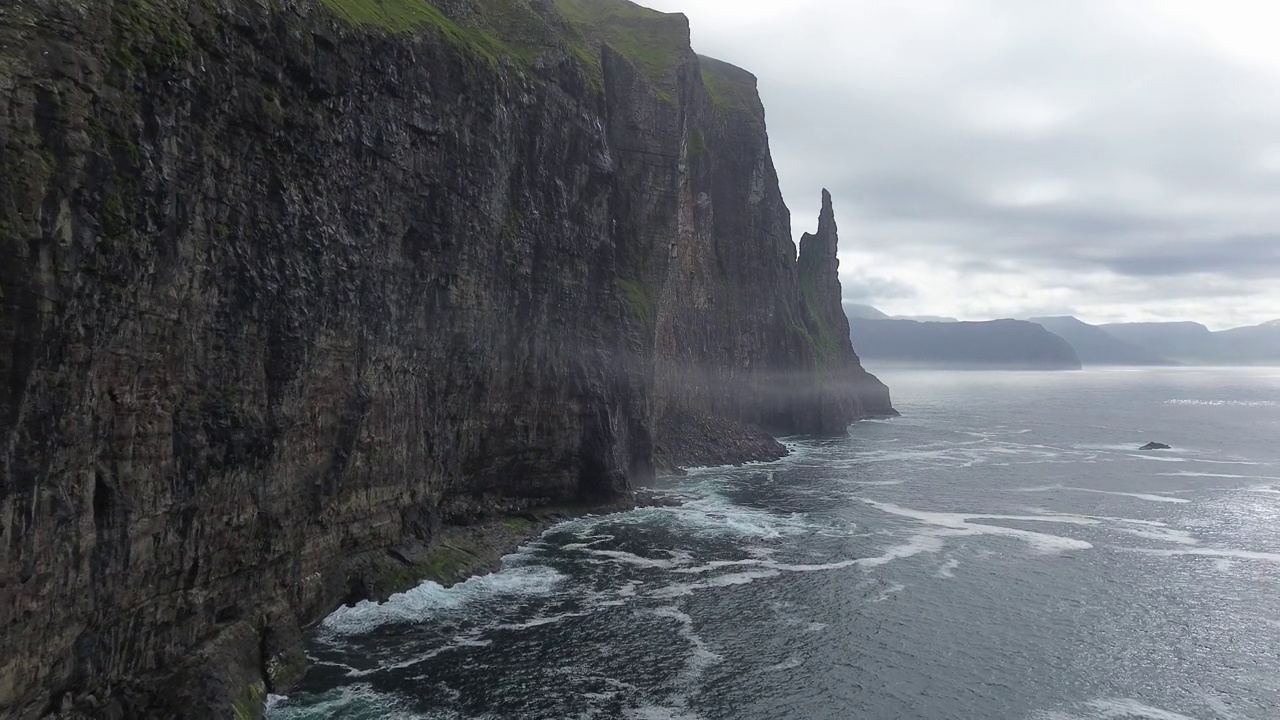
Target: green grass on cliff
column 652, row 41
column 822, row 337
column 729, row 87
column 401, row 16
column 640, row 298
column 393, row 15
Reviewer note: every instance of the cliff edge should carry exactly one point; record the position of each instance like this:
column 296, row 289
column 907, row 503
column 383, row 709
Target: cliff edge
column 292, row 288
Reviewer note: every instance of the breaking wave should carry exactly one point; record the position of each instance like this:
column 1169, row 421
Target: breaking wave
column 431, row 599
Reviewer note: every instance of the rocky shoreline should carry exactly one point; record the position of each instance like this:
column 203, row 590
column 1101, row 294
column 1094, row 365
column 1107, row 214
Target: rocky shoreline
column 460, row 553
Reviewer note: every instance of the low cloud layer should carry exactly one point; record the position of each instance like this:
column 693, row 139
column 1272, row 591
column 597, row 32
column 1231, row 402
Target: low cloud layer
column 1117, row 161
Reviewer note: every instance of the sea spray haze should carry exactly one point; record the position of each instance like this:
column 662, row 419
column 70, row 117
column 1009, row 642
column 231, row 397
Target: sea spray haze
column 291, row 289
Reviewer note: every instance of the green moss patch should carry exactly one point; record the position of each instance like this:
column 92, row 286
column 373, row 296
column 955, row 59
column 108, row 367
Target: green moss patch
column 697, row 145
column 520, row 524
column 446, row 565
column 248, row 706
column 640, row 299
column 147, row 35
column 825, row 343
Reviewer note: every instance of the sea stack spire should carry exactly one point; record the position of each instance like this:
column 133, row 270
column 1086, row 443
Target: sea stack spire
column 819, row 266
column 857, row 393
column 827, row 219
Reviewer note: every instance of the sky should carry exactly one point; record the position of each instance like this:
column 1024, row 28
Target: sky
column 1117, row 160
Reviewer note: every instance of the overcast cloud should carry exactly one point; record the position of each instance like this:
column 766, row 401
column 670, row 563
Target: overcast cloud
column 1112, row 159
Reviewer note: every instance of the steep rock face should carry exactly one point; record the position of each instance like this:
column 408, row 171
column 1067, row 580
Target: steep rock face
column 847, row 389
column 290, row 285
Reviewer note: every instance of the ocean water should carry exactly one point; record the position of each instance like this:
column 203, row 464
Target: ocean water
column 1001, row 551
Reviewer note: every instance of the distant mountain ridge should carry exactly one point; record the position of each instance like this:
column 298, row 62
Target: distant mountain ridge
column 1097, row 347
column 932, row 341
column 927, row 318
column 990, row 345
column 1195, row 344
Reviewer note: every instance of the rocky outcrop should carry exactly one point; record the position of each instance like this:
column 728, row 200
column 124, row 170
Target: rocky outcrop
column 847, row 389
column 292, row 287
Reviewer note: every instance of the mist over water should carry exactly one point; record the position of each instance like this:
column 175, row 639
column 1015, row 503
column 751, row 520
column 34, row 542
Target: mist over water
column 1001, row 551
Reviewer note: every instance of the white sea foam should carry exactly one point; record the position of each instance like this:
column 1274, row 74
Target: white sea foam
column 960, row 524
column 1158, row 458
column 1214, row 553
column 429, row 599
column 1230, row 462
column 701, row 656
column 745, row 522
column 719, row 581
column 357, row 701
column 595, row 540
column 637, row 560
column 707, row 514
column 1130, row 521
column 1169, row 535
column 540, row 621
column 1152, row 497
column 917, row 544
column 719, row 564
column 1228, row 476
column 920, row 543
column 948, row 569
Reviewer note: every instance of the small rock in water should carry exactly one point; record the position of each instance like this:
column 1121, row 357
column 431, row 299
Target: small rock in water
column 1155, row 446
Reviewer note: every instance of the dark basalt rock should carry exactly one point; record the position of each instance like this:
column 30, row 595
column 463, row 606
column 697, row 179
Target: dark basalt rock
column 1155, row 446
column 295, row 311
column 848, row 391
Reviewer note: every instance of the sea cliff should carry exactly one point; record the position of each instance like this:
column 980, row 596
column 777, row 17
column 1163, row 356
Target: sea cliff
column 292, row 289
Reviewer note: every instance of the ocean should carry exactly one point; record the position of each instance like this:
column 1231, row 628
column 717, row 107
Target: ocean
column 1003, row 550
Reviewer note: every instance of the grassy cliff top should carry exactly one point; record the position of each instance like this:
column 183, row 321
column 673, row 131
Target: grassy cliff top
column 730, row 87
column 650, row 40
